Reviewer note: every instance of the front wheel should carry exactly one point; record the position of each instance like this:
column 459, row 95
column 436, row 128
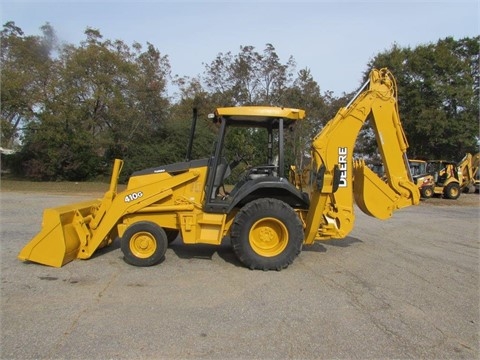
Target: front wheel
column 144, row 244
column 426, row 192
column 267, row 235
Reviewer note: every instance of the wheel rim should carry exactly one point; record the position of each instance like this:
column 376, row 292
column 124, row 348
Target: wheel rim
column 454, row 192
column 428, row 192
column 268, row 237
column 143, row 245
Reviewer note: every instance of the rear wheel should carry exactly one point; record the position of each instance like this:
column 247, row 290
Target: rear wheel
column 452, row 191
column 267, row 235
column 144, row 244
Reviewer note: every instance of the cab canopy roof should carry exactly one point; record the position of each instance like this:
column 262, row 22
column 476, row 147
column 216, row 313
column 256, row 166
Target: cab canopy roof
column 258, row 116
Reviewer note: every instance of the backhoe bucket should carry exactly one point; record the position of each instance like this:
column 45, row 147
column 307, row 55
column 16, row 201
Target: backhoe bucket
column 372, row 195
column 63, row 231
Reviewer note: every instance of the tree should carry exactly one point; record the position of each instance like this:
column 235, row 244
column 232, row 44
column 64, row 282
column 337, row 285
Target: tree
column 107, row 101
column 304, row 94
column 72, row 109
column 249, row 78
column 192, row 96
column 438, row 88
column 26, row 72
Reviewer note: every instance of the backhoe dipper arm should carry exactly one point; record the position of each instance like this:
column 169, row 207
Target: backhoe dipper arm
column 338, row 178
column 466, row 167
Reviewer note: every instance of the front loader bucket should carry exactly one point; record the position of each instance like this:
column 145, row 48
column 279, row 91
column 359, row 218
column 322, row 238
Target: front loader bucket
column 64, row 229
column 67, row 230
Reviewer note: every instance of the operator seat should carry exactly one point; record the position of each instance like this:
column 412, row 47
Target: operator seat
column 264, row 170
column 222, row 172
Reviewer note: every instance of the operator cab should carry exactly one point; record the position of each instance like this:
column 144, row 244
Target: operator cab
column 442, row 170
column 266, row 179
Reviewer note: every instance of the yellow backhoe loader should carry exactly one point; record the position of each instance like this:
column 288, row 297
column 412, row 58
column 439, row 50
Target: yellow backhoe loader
column 266, row 217
column 424, row 181
column 446, row 178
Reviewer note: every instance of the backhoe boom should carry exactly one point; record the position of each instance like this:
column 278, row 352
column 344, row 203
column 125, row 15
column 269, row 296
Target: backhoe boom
column 339, row 179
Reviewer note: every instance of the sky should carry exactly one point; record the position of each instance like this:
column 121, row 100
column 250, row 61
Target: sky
column 334, row 39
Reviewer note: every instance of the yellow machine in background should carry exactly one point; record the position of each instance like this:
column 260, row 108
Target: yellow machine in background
column 476, row 172
column 445, row 178
column 467, row 170
column 423, row 180
column 300, row 177
column 266, row 217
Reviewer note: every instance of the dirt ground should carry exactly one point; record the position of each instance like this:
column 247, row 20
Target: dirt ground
column 403, row 288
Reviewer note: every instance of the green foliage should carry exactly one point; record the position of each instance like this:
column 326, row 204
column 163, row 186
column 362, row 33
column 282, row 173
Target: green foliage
column 25, row 73
column 438, row 87
column 97, row 101
column 71, row 110
column 304, row 94
column 51, row 152
column 249, row 78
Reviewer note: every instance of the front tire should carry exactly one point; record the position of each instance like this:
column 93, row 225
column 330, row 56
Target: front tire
column 267, row 235
column 426, row 192
column 144, row 244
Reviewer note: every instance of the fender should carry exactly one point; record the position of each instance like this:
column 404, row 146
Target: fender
column 268, row 186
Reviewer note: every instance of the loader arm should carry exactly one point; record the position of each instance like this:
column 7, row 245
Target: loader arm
column 76, row 231
column 338, row 178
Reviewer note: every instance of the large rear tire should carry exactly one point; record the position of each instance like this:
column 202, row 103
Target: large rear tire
column 267, row 235
column 144, row 244
column 452, row 191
